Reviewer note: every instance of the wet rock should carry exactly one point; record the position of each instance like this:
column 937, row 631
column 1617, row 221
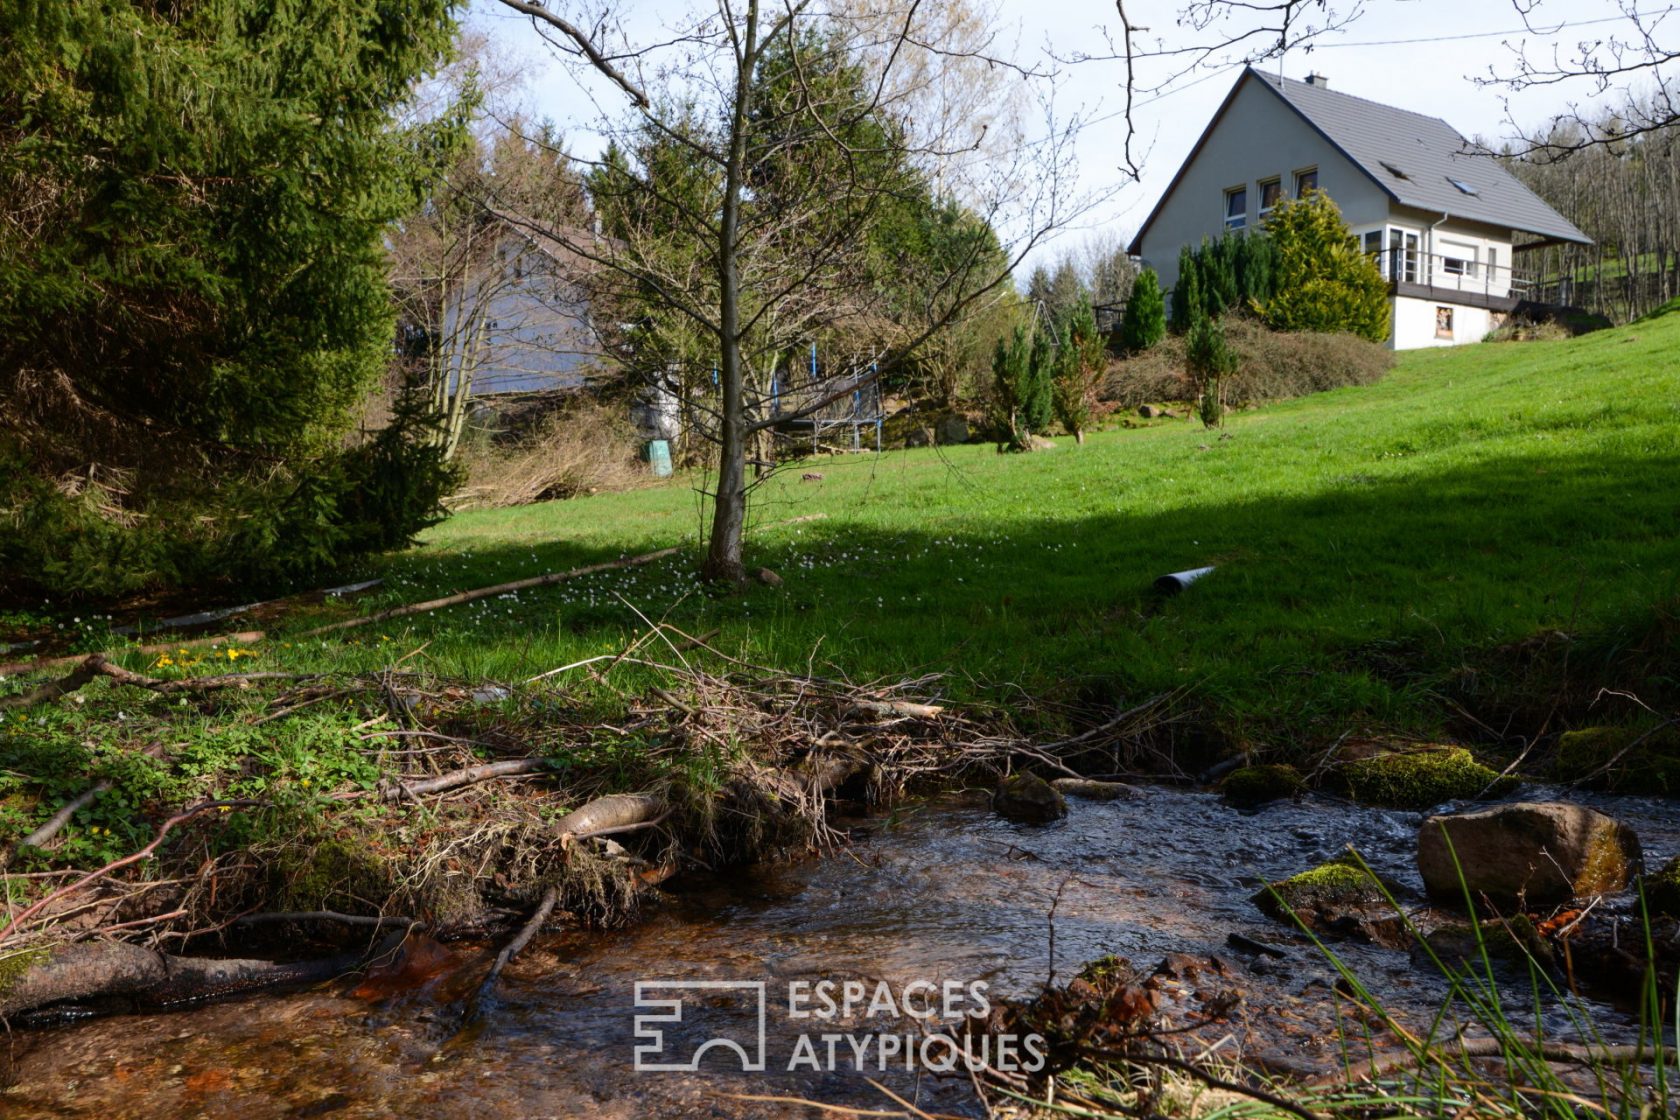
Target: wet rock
column 1029, row 799
column 1419, row 779
column 951, row 428
column 1093, row 790
column 1250, row 786
column 1536, row 853
column 1662, row 890
column 1336, row 897
column 1513, row 940
column 1621, row 759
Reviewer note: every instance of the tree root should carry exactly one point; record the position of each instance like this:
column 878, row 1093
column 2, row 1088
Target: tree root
column 545, row 907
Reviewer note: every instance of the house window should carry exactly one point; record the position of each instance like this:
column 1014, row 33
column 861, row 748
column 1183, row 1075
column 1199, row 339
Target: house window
column 1456, row 266
column 1493, row 263
column 1463, row 187
column 1270, row 192
column 1306, row 181
column 1402, row 256
column 1236, row 208
column 1443, row 322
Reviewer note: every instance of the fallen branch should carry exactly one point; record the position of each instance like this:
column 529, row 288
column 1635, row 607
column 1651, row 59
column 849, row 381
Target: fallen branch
column 95, row 665
column 243, row 638
column 485, row 592
column 52, row 825
column 106, row 969
column 550, row 897
column 10, row 930
column 1568, row 1053
column 902, row 709
column 394, row 790
column 376, row 921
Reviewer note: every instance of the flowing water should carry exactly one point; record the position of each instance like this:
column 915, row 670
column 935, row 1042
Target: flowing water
column 935, row 892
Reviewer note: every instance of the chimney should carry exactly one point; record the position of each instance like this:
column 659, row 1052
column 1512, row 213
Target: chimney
column 1322, row 81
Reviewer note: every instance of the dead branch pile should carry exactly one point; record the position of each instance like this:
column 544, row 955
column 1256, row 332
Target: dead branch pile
column 492, row 803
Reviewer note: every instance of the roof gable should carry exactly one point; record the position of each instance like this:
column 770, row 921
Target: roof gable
column 1418, row 161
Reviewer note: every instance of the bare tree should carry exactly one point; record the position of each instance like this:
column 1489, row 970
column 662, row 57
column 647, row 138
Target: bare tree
column 791, row 170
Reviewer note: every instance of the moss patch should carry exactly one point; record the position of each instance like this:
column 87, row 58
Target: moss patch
column 1633, row 759
column 1256, row 785
column 1419, row 779
column 1338, row 896
column 1662, row 889
column 18, row 962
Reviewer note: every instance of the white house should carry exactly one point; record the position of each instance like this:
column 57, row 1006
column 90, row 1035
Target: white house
column 1440, row 220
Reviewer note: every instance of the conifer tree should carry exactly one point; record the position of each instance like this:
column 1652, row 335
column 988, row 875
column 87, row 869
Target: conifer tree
column 1145, row 320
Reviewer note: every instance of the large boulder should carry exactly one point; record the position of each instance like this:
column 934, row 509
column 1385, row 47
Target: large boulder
column 1536, row 853
column 1029, row 799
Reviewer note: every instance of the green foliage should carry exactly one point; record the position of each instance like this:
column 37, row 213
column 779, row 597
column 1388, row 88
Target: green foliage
column 1230, row 274
column 1012, row 386
column 1323, row 281
column 1187, row 302
column 197, row 300
column 1038, row 406
column 1145, row 320
column 1211, row 361
column 1078, row 362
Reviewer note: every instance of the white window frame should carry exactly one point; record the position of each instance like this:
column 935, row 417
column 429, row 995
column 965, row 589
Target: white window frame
column 1260, row 198
column 1302, row 173
column 1238, row 220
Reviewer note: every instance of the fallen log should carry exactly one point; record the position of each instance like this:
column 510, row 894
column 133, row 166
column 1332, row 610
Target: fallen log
column 616, row 811
column 900, row 709
column 476, row 594
column 116, row 969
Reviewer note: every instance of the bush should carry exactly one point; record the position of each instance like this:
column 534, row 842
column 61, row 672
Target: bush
column 1272, row 366
column 1021, row 403
column 586, row 447
column 1077, row 365
column 1211, row 361
column 1324, row 282
column 1235, row 273
column 1145, row 321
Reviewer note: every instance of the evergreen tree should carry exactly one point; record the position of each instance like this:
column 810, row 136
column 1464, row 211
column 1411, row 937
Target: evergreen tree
column 1324, row 282
column 1211, row 361
column 1011, row 388
column 1078, row 363
column 193, row 291
column 1217, row 273
column 1145, row 321
column 1038, row 408
column 1187, row 305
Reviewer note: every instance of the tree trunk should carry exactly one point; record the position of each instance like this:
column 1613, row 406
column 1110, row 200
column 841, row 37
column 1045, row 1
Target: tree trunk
column 723, row 556
column 1079, row 436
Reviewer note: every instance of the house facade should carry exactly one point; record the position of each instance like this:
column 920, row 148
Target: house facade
column 1442, row 223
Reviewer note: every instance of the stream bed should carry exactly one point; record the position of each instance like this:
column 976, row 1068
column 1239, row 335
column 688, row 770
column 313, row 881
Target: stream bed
column 933, row 892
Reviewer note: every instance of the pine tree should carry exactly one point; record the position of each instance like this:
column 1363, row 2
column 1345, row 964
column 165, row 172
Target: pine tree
column 1145, row 320
column 1211, row 361
column 1038, row 408
column 1011, row 386
column 1187, row 304
column 1078, row 362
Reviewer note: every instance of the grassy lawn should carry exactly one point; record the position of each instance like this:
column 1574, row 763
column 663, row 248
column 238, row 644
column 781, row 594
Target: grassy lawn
column 1372, row 544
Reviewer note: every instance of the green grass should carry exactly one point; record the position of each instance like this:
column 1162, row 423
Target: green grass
column 1371, row 543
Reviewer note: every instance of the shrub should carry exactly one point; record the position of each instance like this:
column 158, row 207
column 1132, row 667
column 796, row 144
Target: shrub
column 1211, row 361
column 1145, row 321
column 585, row 447
column 1324, row 281
column 1272, row 366
column 1234, row 273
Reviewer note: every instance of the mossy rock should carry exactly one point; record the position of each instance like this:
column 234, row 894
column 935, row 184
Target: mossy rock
column 1620, row 759
column 1419, row 779
column 1029, row 799
column 1335, row 897
column 1256, row 785
column 1662, row 890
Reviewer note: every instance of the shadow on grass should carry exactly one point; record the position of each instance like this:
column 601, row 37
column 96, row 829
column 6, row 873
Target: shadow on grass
column 1365, row 603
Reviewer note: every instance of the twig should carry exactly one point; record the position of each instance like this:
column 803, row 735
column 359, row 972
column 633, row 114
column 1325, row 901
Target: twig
column 459, row 597
column 58, row 820
column 11, row 927
column 96, row 665
column 327, row 916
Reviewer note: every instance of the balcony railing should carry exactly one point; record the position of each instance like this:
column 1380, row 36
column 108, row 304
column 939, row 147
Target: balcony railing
column 1444, row 273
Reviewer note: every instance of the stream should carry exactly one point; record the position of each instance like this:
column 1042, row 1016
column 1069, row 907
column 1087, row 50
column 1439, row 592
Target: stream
column 934, row 891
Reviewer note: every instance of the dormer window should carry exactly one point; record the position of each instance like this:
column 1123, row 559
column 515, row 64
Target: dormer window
column 1466, row 188
column 1236, row 208
column 1393, row 170
column 1270, row 192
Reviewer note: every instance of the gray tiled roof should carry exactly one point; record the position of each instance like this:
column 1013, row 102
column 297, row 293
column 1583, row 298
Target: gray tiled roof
column 1430, row 153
